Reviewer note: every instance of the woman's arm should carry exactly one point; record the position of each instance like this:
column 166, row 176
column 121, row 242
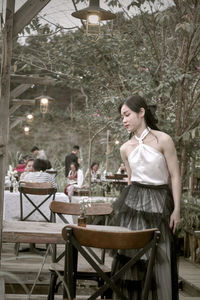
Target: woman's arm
column 125, row 160
column 169, row 152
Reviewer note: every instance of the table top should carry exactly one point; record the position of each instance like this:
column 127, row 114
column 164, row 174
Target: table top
column 32, row 232
column 42, row 232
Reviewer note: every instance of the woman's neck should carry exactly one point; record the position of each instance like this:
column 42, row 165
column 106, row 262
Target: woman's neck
column 140, row 130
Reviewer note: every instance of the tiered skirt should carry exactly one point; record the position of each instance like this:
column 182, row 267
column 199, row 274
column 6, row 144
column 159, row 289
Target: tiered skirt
column 141, row 207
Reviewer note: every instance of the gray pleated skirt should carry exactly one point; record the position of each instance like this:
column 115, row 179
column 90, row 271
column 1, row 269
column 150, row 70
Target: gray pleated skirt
column 141, row 207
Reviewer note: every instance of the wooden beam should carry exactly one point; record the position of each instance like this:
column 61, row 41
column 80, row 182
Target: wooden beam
column 1, row 148
column 17, row 103
column 23, row 101
column 32, row 80
column 16, row 122
column 14, row 108
column 19, row 90
column 7, row 34
column 1, row 141
column 26, row 13
column 2, row 289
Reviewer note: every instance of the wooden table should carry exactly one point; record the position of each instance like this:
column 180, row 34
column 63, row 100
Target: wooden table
column 41, row 232
column 32, row 232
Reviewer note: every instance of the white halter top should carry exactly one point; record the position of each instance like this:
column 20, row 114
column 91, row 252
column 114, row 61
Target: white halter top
column 148, row 165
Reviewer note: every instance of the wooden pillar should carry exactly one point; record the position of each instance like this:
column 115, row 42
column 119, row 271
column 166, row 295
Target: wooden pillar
column 7, row 36
column 107, row 150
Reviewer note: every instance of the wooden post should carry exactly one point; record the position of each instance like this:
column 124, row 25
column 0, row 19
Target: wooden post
column 107, row 150
column 19, row 19
column 7, row 33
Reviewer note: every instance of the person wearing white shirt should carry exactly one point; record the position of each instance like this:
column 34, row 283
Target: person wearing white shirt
column 39, row 174
column 74, row 179
column 122, row 169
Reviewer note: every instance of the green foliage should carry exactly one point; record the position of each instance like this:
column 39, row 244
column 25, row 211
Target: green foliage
column 154, row 54
column 190, row 214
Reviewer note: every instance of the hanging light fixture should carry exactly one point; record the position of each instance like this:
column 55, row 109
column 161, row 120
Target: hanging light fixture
column 93, row 15
column 26, row 130
column 44, row 102
column 29, row 118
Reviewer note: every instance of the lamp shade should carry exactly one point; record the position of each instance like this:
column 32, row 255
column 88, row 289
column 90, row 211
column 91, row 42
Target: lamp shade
column 44, row 102
column 94, row 9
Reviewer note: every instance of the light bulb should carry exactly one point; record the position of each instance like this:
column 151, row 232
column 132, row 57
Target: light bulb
column 29, row 117
column 44, row 101
column 93, row 19
column 26, row 130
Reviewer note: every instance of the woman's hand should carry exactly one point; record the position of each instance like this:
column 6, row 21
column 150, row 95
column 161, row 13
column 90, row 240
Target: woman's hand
column 174, row 220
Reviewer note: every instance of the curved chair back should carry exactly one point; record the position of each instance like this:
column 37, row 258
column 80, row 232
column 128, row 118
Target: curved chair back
column 97, row 209
column 110, row 237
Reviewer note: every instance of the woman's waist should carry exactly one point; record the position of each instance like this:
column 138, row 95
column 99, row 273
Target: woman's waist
column 150, row 185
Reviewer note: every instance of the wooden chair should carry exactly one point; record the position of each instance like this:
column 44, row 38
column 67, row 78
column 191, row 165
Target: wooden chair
column 29, row 188
column 34, row 189
column 98, row 212
column 77, row 238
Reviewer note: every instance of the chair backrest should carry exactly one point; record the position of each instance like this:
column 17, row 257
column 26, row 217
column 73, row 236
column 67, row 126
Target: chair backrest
column 109, row 237
column 39, row 189
column 97, row 210
column 36, row 188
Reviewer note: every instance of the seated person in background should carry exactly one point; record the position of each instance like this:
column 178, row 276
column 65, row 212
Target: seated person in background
column 39, row 174
column 94, row 170
column 29, row 168
column 74, row 179
column 122, row 169
column 20, row 168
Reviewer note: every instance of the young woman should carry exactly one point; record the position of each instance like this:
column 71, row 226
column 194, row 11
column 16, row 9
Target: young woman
column 94, row 171
column 74, row 179
column 150, row 159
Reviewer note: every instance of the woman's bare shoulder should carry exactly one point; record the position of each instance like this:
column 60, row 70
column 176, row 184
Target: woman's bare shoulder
column 164, row 139
column 161, row 135
column 124, row 147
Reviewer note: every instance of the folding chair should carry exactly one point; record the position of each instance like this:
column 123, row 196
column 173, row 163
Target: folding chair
column 100, row 213
column 77, row 238
column 27, row 192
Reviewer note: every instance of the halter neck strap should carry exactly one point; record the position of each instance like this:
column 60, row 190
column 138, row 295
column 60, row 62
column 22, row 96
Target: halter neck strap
column 143, row 135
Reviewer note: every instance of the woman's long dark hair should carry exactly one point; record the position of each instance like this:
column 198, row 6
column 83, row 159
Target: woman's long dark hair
column 135, row 103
